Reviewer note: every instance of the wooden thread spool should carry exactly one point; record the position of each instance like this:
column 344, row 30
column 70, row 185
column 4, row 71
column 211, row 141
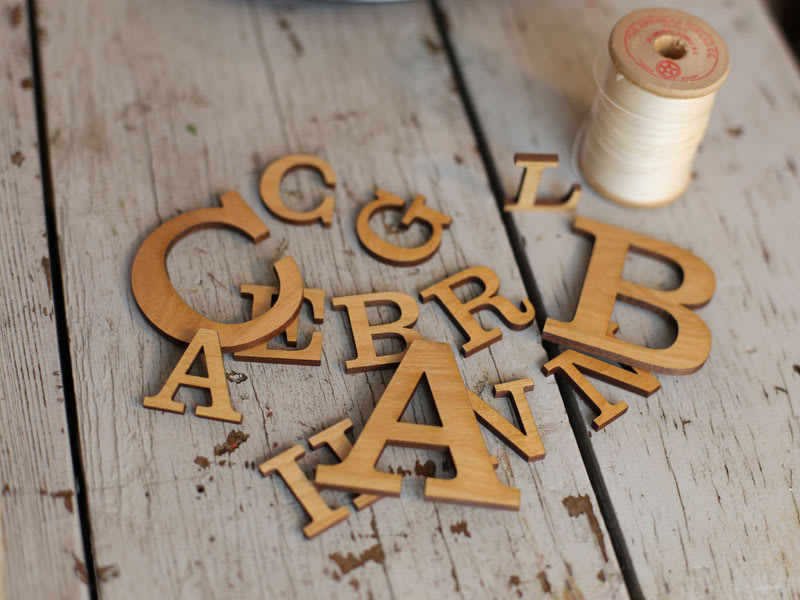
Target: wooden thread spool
column 653, row 103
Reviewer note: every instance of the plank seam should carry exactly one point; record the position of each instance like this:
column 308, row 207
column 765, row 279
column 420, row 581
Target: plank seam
column 59, row 301
column 571, row 405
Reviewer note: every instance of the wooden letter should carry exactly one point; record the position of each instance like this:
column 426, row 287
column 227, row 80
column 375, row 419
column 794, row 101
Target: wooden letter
column 207, row 342
column 534, row 164
column 588, row 330
column 461, row 313
column 167, row 311
column 311, row 354
column 363, row 333
column 527, row 442
column 270, row 188
column 335, row 437
column 574, row 365
column 475, row 481
column 323, row 517
column 400, row 256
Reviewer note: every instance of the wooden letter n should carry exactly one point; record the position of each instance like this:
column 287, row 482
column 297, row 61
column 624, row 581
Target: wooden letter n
column 475, row 482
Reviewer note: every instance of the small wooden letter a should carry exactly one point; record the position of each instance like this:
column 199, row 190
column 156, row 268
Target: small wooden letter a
column 475, row 482
column 207, row 342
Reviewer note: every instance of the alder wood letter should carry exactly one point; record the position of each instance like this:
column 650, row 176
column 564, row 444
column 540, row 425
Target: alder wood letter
column 323, row 517
column 575, row 365
column 534, row 164
column 310, row 355
column 335, row 437
column 270, row 188
column 205, row 341
column 363, row 333
column 588, row 330
column 527, row 442
column 475, row 482
column 400, row 256
column 461, row 313
column 167, row 311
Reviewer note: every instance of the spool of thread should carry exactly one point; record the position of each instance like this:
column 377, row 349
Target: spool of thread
column 652, row 106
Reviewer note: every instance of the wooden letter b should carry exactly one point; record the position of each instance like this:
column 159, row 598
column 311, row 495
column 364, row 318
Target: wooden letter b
column 603, row 285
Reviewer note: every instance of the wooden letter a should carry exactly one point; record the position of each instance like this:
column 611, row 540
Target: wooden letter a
column 475, row 482
column 207, row 342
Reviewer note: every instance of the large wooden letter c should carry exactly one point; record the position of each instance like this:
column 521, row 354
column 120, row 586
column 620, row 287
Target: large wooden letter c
column 168, row 312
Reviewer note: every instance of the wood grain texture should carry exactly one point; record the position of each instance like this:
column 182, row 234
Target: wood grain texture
column 161, row 107
column 702, row 474
column 41, row 545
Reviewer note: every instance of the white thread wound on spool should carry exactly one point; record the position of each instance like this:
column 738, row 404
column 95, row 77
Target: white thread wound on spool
column 646, row 126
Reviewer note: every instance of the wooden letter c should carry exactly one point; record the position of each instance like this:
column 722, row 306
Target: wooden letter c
column 270, row 188
column 167, row 311
column 400, row 256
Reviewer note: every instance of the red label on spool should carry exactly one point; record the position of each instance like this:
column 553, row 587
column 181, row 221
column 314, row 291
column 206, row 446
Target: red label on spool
column 701, row 55
column 668, row 69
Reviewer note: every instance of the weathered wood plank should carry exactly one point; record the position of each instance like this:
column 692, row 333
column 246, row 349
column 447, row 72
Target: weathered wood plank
column 701, row 475
column 159, row 109
column 41, row 548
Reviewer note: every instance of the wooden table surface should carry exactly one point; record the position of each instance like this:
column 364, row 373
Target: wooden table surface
column 123, row 113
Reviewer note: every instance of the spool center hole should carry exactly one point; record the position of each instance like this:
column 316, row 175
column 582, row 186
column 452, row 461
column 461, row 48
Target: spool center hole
column 670, row 46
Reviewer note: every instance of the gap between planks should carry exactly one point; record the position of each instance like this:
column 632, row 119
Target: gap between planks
column 569, row 398
column 59, row 302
